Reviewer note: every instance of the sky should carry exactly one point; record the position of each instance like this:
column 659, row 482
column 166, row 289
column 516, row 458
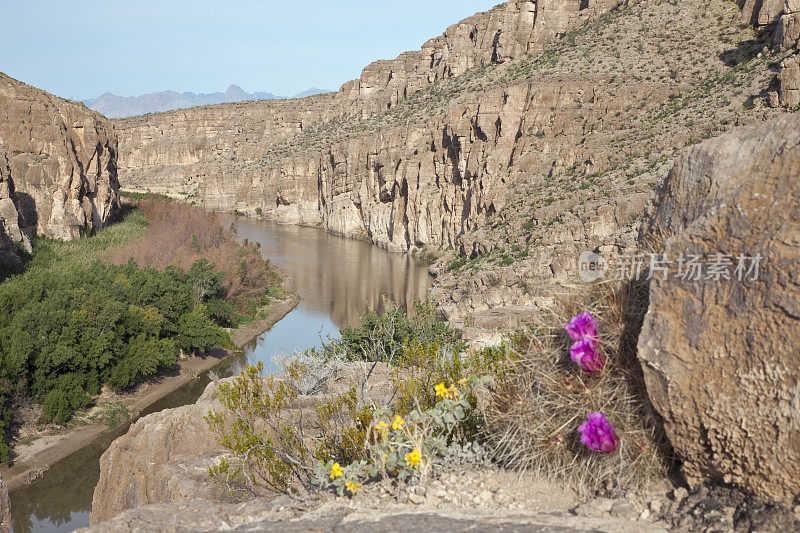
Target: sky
column 80, row 49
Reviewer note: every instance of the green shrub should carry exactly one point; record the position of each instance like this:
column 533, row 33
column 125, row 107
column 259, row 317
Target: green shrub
column 277, row 443
column 66, row 329
column 197, row 332
column 59, row 404
column 382, row 337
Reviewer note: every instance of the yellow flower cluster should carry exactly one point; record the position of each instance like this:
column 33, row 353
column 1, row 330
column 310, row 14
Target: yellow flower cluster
column 383, row 430
column 336, row 471
column 413, row 458
column 450, row 393
column 352, row 487
column 398, row 423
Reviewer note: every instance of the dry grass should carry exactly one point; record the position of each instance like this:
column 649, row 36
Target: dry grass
column 534, row 416
column 180, row 234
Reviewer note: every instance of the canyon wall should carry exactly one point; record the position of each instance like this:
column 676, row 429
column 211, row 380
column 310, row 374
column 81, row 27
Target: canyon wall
column 519, row 138
column 58, row 166
column 408, row 186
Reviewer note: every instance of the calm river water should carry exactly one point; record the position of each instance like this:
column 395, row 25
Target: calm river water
column 338, row 279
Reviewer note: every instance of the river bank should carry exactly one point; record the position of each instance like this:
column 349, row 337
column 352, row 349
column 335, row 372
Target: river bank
column 33, row 459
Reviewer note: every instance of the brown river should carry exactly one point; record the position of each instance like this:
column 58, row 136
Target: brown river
column 338, row 279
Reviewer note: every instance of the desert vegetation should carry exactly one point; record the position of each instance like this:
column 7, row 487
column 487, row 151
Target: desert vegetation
column 121, row 305
column 563, row 398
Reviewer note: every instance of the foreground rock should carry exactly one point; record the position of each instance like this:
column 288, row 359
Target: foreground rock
column 199, row 515
column 164, row 457
column 464, row 492
column 58, row 166
column 720, row 356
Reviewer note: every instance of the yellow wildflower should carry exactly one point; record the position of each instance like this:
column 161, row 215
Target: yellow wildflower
column 441, row 390
column 398, row 422
column 352, row 487
column 463, row 381
column 336, row 471
column 413, row 458
column 383, row 430
column 444, row 392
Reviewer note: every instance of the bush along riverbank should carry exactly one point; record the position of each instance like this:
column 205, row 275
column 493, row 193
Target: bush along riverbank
column 97, row 316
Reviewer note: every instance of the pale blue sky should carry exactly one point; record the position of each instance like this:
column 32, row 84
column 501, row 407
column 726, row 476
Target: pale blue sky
column 82, row 48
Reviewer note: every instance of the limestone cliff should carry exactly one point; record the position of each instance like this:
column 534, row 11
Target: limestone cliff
column 409, row 186
column 58, row 165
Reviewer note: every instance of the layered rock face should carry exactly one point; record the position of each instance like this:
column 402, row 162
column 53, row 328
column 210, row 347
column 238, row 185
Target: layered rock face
column 58, row 165
column 720, row 355
column 410, row 186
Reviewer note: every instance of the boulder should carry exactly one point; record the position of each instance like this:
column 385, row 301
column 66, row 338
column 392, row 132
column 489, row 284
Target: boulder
column 720, row 356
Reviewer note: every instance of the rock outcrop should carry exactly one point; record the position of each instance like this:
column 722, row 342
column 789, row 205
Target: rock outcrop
column 720, row 353
column 164, row 457
column 782, row 19
column 58, row 165
column 11, row 236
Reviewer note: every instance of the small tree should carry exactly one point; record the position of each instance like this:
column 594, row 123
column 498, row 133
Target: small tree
column 197, row 332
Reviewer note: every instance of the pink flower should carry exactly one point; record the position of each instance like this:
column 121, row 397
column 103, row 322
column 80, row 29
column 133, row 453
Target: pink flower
column 586, row 355
column 598, row 434
column 582, row 326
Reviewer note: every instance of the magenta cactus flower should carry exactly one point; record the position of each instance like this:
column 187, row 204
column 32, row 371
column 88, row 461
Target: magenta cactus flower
column 582, row 326
column 598, row 434
column 588, row 357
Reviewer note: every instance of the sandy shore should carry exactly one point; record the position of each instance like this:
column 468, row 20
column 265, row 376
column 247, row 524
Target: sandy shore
column 34, row 459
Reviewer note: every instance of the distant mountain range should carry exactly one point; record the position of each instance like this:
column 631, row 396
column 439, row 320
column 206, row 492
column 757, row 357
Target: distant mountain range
column 114, row 106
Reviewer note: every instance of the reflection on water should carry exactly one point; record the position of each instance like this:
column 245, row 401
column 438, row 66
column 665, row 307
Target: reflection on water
column 338, row 280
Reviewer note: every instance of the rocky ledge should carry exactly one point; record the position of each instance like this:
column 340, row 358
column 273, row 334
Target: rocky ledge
column 164, row 457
